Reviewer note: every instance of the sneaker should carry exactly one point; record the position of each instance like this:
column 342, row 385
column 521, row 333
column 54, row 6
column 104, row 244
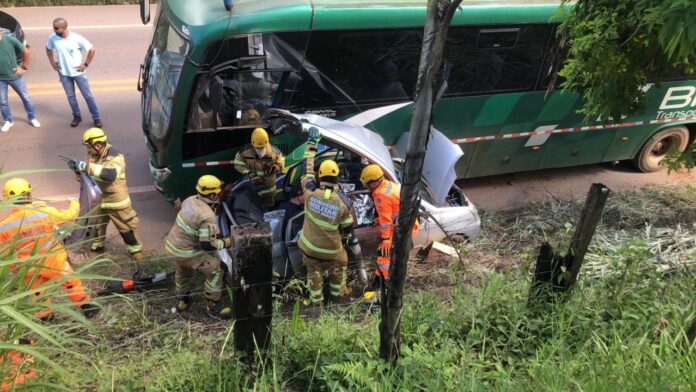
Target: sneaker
column 6, row 126
column 98, row 123
column 35, row 123
column 76, row 120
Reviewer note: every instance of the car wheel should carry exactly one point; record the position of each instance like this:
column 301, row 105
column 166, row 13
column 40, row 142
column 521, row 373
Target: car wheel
column 659, row 145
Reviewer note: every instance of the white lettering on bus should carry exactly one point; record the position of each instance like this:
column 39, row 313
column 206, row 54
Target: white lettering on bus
column 679, row 97
column 662, row 115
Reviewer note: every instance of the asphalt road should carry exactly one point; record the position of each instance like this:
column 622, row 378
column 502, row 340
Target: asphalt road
column 121, row 41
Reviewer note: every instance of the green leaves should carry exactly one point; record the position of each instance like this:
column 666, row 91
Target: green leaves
column 617, row 46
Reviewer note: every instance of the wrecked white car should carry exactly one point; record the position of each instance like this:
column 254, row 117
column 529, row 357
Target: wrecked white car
column 445, row 210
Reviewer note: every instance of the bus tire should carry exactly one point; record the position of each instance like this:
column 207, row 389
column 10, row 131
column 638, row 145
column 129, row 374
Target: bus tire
column 659, row 145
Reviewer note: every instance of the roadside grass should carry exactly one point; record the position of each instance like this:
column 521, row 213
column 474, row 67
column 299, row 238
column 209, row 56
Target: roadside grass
column 464, row 327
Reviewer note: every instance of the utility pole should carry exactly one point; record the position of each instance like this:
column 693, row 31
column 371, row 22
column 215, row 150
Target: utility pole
column 437, row 21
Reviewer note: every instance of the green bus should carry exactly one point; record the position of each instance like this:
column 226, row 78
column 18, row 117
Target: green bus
column 210, row 75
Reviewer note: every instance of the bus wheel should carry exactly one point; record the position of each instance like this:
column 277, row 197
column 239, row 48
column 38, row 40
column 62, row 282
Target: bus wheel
column 658, row 146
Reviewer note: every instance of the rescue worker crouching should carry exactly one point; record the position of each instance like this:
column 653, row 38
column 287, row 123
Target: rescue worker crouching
column 29, row 233
column 107, row 166
column 261, row 162
column 191, row 240
column 327, row 212
column 386, row 198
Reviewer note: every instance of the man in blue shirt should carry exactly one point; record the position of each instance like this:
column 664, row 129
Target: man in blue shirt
column 71, row 65
column 11, row 75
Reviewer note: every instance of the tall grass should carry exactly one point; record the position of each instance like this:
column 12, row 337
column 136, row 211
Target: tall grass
column 62, row 338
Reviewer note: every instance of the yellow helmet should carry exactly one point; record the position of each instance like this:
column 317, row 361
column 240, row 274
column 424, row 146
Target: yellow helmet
column 93, row 135
column 328, row 168
column 208, row 184
column 259, row 138
column 16, row 187
column 371, row 173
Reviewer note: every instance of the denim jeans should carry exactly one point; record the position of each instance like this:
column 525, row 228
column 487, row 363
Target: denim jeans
column 68, row 83
column 21, row 89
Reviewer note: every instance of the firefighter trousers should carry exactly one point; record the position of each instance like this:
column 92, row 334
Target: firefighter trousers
column 208, row 265
column 126, row 222
column 336, row 270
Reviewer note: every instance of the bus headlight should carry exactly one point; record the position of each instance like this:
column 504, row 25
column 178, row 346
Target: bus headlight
column 158, row 174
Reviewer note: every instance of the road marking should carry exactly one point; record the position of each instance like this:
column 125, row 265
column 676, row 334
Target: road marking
column 91, row 83
column 97, row 89
column 56, row 88
column 86, row 27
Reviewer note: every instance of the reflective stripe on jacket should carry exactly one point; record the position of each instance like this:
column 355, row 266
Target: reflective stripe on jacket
column 30, row 232
column 326, row 211
column 195, row 224
column 387, row 199
column 109, row 171
column 247, row 162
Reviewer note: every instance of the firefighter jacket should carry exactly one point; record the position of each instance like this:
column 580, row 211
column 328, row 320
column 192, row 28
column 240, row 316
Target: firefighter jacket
column 326, row 211
column 29, row 231
column 387, row 199
column 109, row 171
column 195, row 230
column 247, row 162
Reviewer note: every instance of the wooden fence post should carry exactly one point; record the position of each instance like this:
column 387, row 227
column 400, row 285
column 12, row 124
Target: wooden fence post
column 548, row 273
column 252, row 294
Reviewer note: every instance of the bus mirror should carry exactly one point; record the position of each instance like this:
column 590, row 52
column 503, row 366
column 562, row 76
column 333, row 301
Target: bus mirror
column 145, row 11
column 215, row 93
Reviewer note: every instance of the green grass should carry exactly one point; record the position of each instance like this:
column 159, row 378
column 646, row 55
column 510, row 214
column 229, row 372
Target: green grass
column 463, row 328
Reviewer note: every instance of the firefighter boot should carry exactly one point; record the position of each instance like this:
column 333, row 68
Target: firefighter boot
column 184, row 303
column 218, row 310
column 89, row 310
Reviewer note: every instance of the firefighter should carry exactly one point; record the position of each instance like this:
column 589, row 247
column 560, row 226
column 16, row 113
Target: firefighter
column 327, row 212
column 191, row 240
column 385, row 195
column 29, row 232
column 107, row 166
column 261, row 162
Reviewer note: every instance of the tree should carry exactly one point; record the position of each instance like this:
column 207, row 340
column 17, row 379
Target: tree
column 614, row 47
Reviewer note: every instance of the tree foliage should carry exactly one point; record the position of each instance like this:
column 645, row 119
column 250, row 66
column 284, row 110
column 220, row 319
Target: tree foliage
column 616, row 46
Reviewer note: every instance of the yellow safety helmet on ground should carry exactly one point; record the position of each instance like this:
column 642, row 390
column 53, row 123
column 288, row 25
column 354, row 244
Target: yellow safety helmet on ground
column 371, row 173
column 208, row 184
column 328, row 168
column 93, row 135
column 16, row 187
column 259, row 138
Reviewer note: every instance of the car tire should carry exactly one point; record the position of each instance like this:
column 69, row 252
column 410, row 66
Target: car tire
column 658, row 146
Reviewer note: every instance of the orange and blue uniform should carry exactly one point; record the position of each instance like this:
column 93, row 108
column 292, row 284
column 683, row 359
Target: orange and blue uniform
column 386, row 197
column 28, row 233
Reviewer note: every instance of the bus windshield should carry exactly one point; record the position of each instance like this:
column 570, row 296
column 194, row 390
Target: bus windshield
column 166, row 59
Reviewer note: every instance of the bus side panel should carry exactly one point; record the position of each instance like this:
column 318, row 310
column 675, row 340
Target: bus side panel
column 672, row 100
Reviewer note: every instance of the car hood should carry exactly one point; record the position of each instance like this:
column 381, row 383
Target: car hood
column 440, row 158
column 352, row 137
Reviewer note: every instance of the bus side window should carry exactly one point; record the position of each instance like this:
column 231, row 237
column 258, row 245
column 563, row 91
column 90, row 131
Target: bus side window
column 369, row 65
column 505, row 58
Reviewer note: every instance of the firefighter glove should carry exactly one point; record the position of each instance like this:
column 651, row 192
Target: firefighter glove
column 77, row 166
column 385, row 247
column 313, row 135
column 256, row 180
column 227, row 241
